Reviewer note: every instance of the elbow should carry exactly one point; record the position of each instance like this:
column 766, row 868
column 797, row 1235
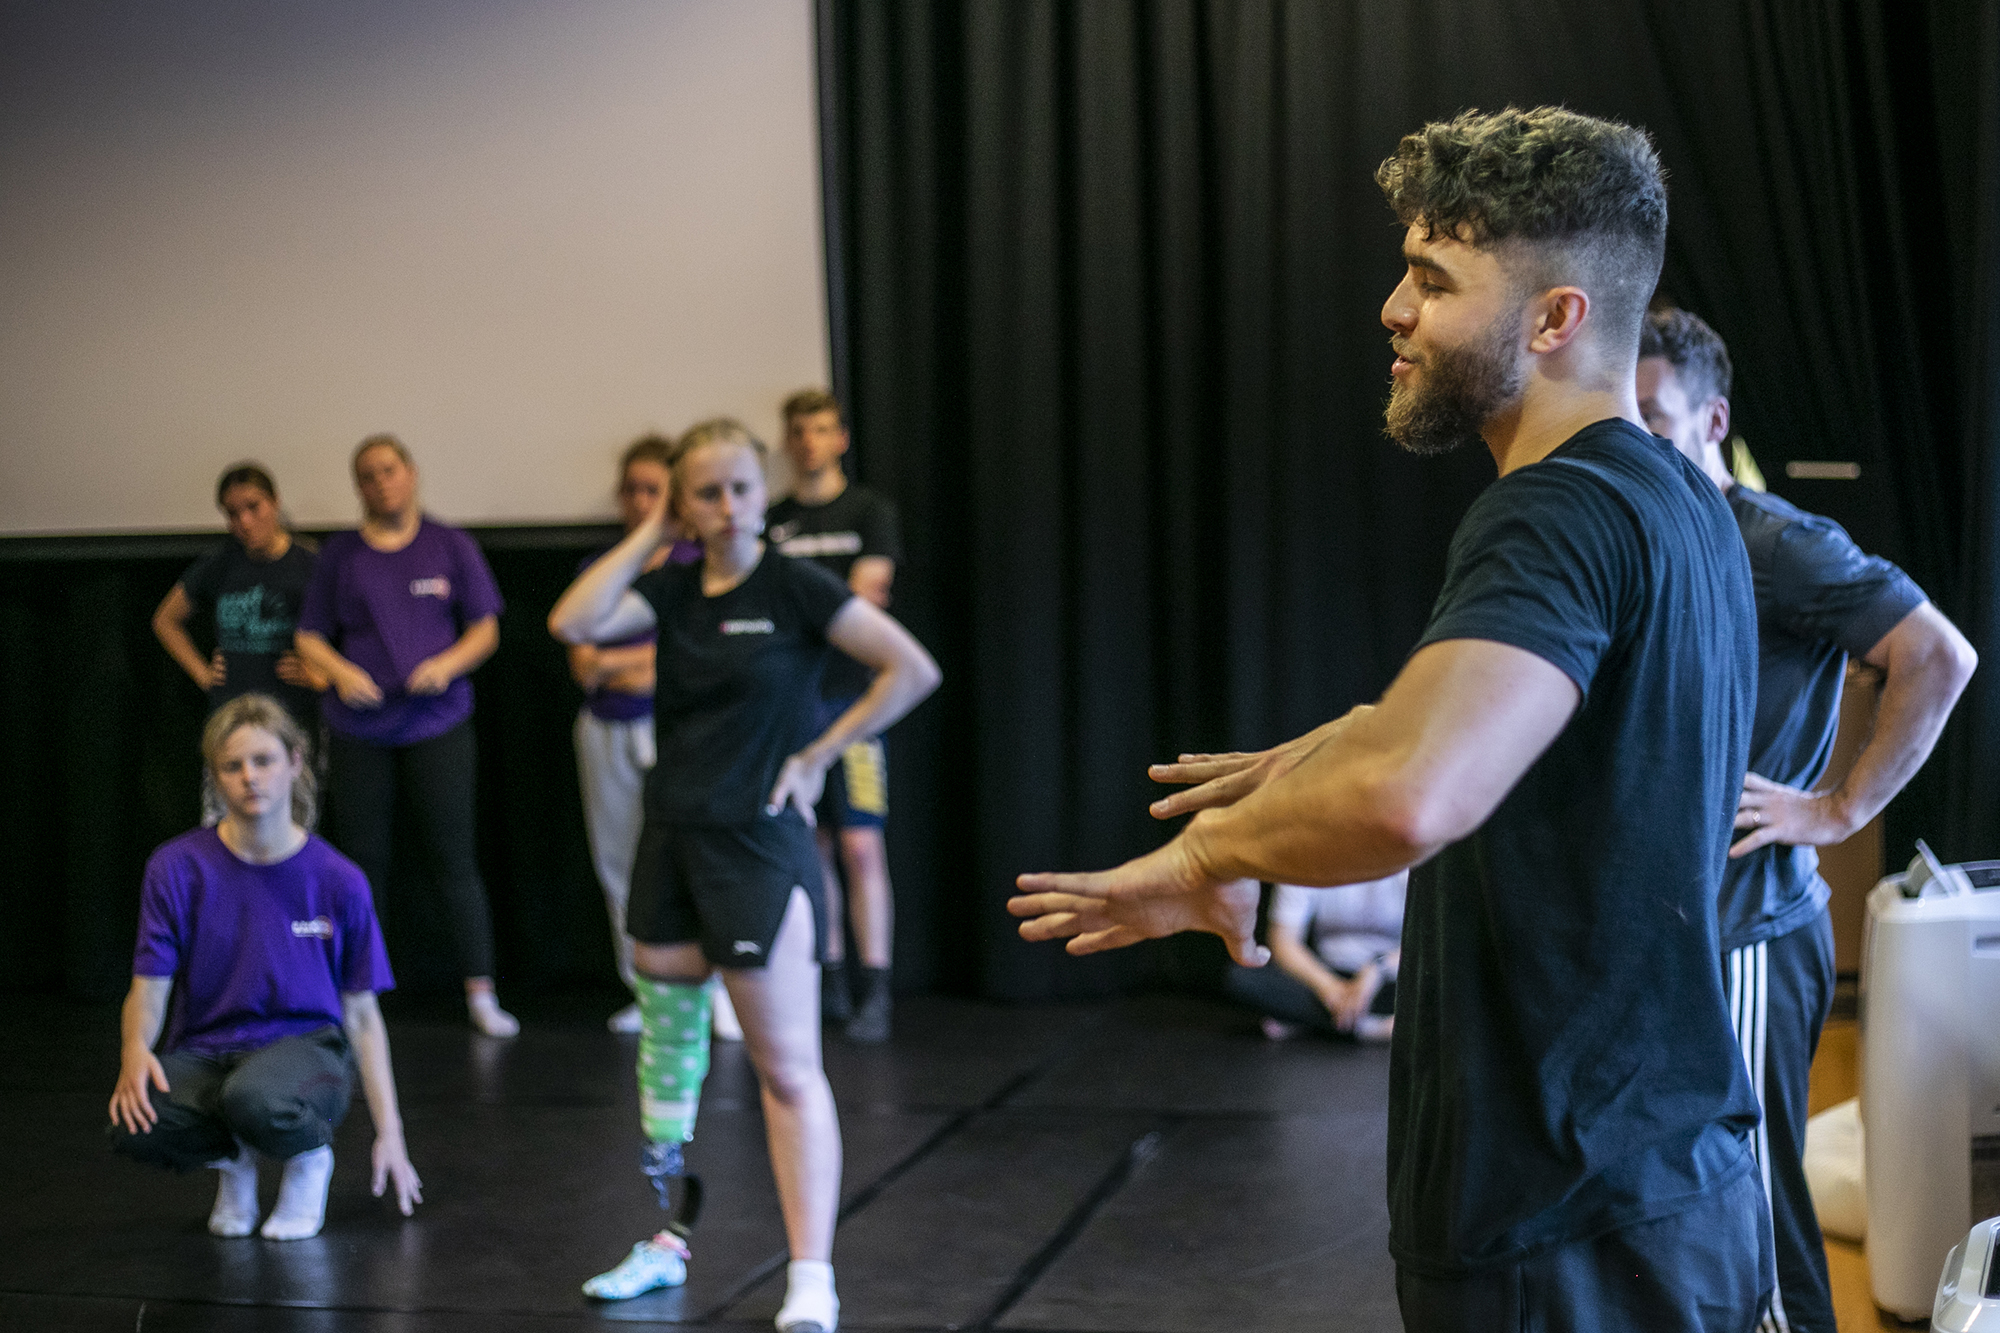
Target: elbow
column 927, row 676
column 1414, row 821
column 561, row 630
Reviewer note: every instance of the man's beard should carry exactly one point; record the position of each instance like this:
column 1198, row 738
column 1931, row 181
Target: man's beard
column 1462, row 388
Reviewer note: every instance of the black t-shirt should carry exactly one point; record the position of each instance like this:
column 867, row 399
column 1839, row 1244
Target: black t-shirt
column 738, row 684
column 1819, row 598
column 254, row 605
column 834, row 535
column 1563, row 1062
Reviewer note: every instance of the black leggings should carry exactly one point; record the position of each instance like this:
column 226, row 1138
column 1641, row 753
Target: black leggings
column 438, row 776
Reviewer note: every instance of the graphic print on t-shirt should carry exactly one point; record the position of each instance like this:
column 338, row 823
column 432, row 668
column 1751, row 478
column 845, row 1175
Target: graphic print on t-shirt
column 253, row 620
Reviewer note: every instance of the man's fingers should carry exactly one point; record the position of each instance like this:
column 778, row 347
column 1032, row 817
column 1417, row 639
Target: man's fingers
column 1085, row 885
column 1245, row 950
column 1098, row 941
column 1051, row 926
column 1200, row 767
column 1225, row 790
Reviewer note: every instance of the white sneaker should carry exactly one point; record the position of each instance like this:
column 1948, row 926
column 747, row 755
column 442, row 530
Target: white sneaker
column 650, row 1265
column 628, row 1019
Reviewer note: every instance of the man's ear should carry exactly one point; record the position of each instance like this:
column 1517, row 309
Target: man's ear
column 1715, row 420
column 1557, row 316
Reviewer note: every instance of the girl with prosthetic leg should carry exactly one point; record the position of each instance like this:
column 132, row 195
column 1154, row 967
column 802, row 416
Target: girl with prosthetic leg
column 727, row 875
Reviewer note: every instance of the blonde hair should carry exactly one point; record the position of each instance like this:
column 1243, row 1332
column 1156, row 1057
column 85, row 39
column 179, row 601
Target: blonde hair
column 382, row 440
column 716, row 430
column 256, row 710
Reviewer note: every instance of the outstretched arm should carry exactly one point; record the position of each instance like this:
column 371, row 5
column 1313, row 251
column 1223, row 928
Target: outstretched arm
column 362, row 1017
column 139, row 1027
column 1425, row 767
column 905, row 675
column 1925, row 664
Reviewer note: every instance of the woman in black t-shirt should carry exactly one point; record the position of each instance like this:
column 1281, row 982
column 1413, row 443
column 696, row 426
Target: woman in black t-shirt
column 249, row 586
column 727, row 874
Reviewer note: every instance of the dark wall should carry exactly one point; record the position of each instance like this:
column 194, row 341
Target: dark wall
column 1106, row 295
column 101, row 733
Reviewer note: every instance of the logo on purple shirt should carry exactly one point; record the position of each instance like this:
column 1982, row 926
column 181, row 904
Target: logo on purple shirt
column 439, row 587
column 319, row 928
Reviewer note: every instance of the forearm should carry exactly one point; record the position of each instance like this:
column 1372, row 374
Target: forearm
column 1300, row 962
column 624, row 663
column 370, row 1039
column 474, row 646
column 1916, row 702
column 321, row 656
column 144, row 1013
column 180, row 646
column 1333, row 819
column 587, row 604
column 894, row 692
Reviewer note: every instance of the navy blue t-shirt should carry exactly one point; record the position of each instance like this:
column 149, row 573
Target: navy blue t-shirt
column 736, row 684
column 1819, row 598
column 255, row 606
column 1563, row 1063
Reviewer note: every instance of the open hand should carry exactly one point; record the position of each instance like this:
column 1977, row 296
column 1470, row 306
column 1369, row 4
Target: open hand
column 1158, row 894
column 392, row 1164
column 1777, row 813
column 800, row 783
column 131, row 1107
column 1225, row 779
column 293, row 670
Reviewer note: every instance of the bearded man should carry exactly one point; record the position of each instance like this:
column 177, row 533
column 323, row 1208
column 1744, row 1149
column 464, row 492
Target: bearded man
column 1569, row 1114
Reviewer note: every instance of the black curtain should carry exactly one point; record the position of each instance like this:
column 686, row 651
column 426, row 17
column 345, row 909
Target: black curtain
column 1108, row 276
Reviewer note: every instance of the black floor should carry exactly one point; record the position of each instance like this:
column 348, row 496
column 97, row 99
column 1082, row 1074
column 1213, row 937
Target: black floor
column 1149, row 1166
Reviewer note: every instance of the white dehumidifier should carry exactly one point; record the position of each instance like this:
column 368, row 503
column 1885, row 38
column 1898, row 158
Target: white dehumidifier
column 1968, row 1297
column 1930, row 1074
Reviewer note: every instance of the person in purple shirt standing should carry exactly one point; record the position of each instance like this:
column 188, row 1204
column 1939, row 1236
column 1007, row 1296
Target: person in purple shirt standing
column 396, row 617
column 265, row 939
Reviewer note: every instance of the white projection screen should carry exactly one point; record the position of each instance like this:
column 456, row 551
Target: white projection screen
column 517, row 233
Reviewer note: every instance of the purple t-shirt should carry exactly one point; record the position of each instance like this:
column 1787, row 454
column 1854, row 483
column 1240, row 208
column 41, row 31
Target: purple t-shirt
column 616, row 705
column 257, row 953
column 386, row 611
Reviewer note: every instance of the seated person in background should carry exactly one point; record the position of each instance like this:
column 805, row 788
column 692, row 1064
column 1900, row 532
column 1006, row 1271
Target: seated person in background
column 272, row 939
column 1336, row 952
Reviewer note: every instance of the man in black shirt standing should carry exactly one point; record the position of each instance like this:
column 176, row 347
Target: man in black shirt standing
column 850, row 531
column 1819, row 601
column 1569, row 1116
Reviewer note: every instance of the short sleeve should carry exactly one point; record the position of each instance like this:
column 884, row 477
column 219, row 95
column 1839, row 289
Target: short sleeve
column 662, row 588
column 819, row 594
column 475, row 591
column 882, row 535
column 202, row 579
column 1543, row 562
column 1291, row 910
column 316, row 610
column 162, row 918
column 1825, row 587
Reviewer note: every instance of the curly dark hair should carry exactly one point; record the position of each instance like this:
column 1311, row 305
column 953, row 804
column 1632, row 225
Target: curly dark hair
column 1584, row 199
column 1695, row 351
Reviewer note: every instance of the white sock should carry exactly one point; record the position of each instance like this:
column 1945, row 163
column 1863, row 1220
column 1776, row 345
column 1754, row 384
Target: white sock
column 488, row 1016
column 809, row 1300
column 235, row 1211
column 301, row 1209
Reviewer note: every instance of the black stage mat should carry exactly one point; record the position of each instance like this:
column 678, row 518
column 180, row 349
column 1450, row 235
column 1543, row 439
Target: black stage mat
column 1149, row 1164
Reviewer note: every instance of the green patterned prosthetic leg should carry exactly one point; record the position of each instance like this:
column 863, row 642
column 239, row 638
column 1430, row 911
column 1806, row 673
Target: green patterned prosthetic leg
column 673, row 1060
column 673, row 1057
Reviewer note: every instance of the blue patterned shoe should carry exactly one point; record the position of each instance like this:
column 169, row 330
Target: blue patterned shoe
column 653, row 1263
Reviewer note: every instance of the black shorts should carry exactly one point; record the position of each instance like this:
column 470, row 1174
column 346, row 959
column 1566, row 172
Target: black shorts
column 724, row 886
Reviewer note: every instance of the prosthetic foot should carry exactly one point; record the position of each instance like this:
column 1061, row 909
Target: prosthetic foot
column 655, row 1263
column 235, row 1211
